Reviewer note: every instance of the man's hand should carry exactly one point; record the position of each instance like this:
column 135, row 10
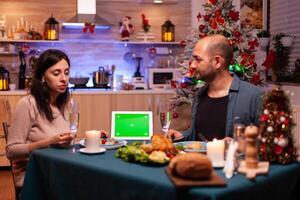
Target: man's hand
column 174, row 135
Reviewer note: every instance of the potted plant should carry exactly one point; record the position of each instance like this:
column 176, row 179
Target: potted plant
column 287, row 40
column 263, row 38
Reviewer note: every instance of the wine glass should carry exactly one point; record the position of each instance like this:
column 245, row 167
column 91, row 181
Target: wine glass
column 74, row 120
column 165, row 116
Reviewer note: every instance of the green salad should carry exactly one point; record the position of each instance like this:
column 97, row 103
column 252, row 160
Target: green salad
column 134, row 153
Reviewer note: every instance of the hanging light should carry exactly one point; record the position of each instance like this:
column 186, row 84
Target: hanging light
column 51, row 29
column 168, row 31
column 157, row 1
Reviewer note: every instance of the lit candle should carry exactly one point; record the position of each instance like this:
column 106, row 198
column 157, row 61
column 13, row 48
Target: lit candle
column 51, row 34
column 168, row 37
column 215, row 152
column 92, row 139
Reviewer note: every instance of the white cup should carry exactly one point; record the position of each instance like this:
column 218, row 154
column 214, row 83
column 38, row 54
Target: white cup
column 12, row 86
column 92, row 140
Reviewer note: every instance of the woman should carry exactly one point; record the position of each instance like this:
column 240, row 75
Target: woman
column 39, row 120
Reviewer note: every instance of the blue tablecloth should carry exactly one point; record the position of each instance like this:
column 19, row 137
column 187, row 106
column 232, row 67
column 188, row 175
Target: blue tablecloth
column 59, row 174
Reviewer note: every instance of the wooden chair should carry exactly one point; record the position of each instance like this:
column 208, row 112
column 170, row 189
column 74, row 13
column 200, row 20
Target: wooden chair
column 17, row 189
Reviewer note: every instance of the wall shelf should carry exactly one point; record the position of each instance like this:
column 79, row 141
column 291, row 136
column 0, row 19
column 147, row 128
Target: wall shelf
column 30, row 41
column 92, row 41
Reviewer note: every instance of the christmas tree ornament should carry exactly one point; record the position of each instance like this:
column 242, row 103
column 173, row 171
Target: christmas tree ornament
column 266, row 112
column 270, row 129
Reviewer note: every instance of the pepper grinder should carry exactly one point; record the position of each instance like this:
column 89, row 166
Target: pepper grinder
column 251, row 154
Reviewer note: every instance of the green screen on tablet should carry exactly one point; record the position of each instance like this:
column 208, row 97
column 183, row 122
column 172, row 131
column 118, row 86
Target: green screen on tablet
column 133, row 125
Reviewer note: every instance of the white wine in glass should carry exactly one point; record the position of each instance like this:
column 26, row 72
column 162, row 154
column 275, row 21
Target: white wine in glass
column 165, row 116
column 165, row 120
column 74, row 120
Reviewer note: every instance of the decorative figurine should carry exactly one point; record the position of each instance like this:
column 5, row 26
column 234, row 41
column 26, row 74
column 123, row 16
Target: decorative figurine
column 126, row 28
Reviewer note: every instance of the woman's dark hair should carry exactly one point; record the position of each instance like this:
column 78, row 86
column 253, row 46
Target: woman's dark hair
column 39, row 89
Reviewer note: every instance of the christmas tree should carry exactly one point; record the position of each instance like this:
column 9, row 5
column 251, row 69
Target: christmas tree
column 275, row 132
column 220, row 17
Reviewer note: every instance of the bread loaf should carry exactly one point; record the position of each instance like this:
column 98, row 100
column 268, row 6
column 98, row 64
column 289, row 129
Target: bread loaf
column 191, row 166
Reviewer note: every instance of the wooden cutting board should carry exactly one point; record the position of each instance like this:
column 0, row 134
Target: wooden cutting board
column 180, row 182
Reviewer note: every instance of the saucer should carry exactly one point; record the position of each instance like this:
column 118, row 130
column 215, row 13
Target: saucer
column 93, row 151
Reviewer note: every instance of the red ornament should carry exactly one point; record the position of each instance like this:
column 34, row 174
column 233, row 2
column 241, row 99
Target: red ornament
column 206, row 17
column 201, row 28
column 237, row 34
column 175, row 115
column 264, row 118
column 183, row 85
column 214, row 2
column 234, row 15
column 218, row 13
column 278, row 149
column 286, row 122
column 263, row 148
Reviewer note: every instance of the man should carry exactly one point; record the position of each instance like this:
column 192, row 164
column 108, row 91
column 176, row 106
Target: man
column 223, row 98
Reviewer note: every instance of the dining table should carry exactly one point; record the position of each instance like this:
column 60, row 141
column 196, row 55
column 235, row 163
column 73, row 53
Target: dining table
column 55, row 173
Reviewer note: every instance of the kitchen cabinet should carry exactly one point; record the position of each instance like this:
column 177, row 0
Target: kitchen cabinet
column 96, row 106
column 95, row 111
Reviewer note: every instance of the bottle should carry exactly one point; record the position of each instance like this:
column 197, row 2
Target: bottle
column 22, row 70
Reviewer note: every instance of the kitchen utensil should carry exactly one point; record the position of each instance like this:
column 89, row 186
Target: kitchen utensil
column 101, row 77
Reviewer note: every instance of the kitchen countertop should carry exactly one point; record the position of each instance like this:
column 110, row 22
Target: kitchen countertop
column 97, row 91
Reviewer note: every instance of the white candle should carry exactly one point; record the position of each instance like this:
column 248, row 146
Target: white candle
column 92, row 139
column 215, row 152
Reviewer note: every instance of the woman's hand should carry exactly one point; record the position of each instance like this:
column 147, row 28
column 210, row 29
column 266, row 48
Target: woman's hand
column 61, row 140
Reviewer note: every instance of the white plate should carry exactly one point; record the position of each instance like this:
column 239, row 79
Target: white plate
column 108, row 146
column 201, row 150
column 88, row 151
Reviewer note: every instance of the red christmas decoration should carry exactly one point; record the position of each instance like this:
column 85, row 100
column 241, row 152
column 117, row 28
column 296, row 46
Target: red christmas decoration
column 198, row 17
column 247, row 59
column 278, row 149
column 88, row 27
column 252, row 44
column 212, row 2
column 206, row 17
column 234, row 15
column 270, row 60
column 175, row 115
column 264, row 118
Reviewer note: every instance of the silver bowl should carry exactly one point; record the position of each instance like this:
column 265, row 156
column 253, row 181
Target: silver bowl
column 79, row 81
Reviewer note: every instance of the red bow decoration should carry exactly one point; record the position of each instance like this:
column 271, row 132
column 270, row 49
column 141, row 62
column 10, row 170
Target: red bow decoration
column 247, row 59
column 234, row 15
column 252, row 44
column 270, row 60
column 88, row 27
column 152, row 51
